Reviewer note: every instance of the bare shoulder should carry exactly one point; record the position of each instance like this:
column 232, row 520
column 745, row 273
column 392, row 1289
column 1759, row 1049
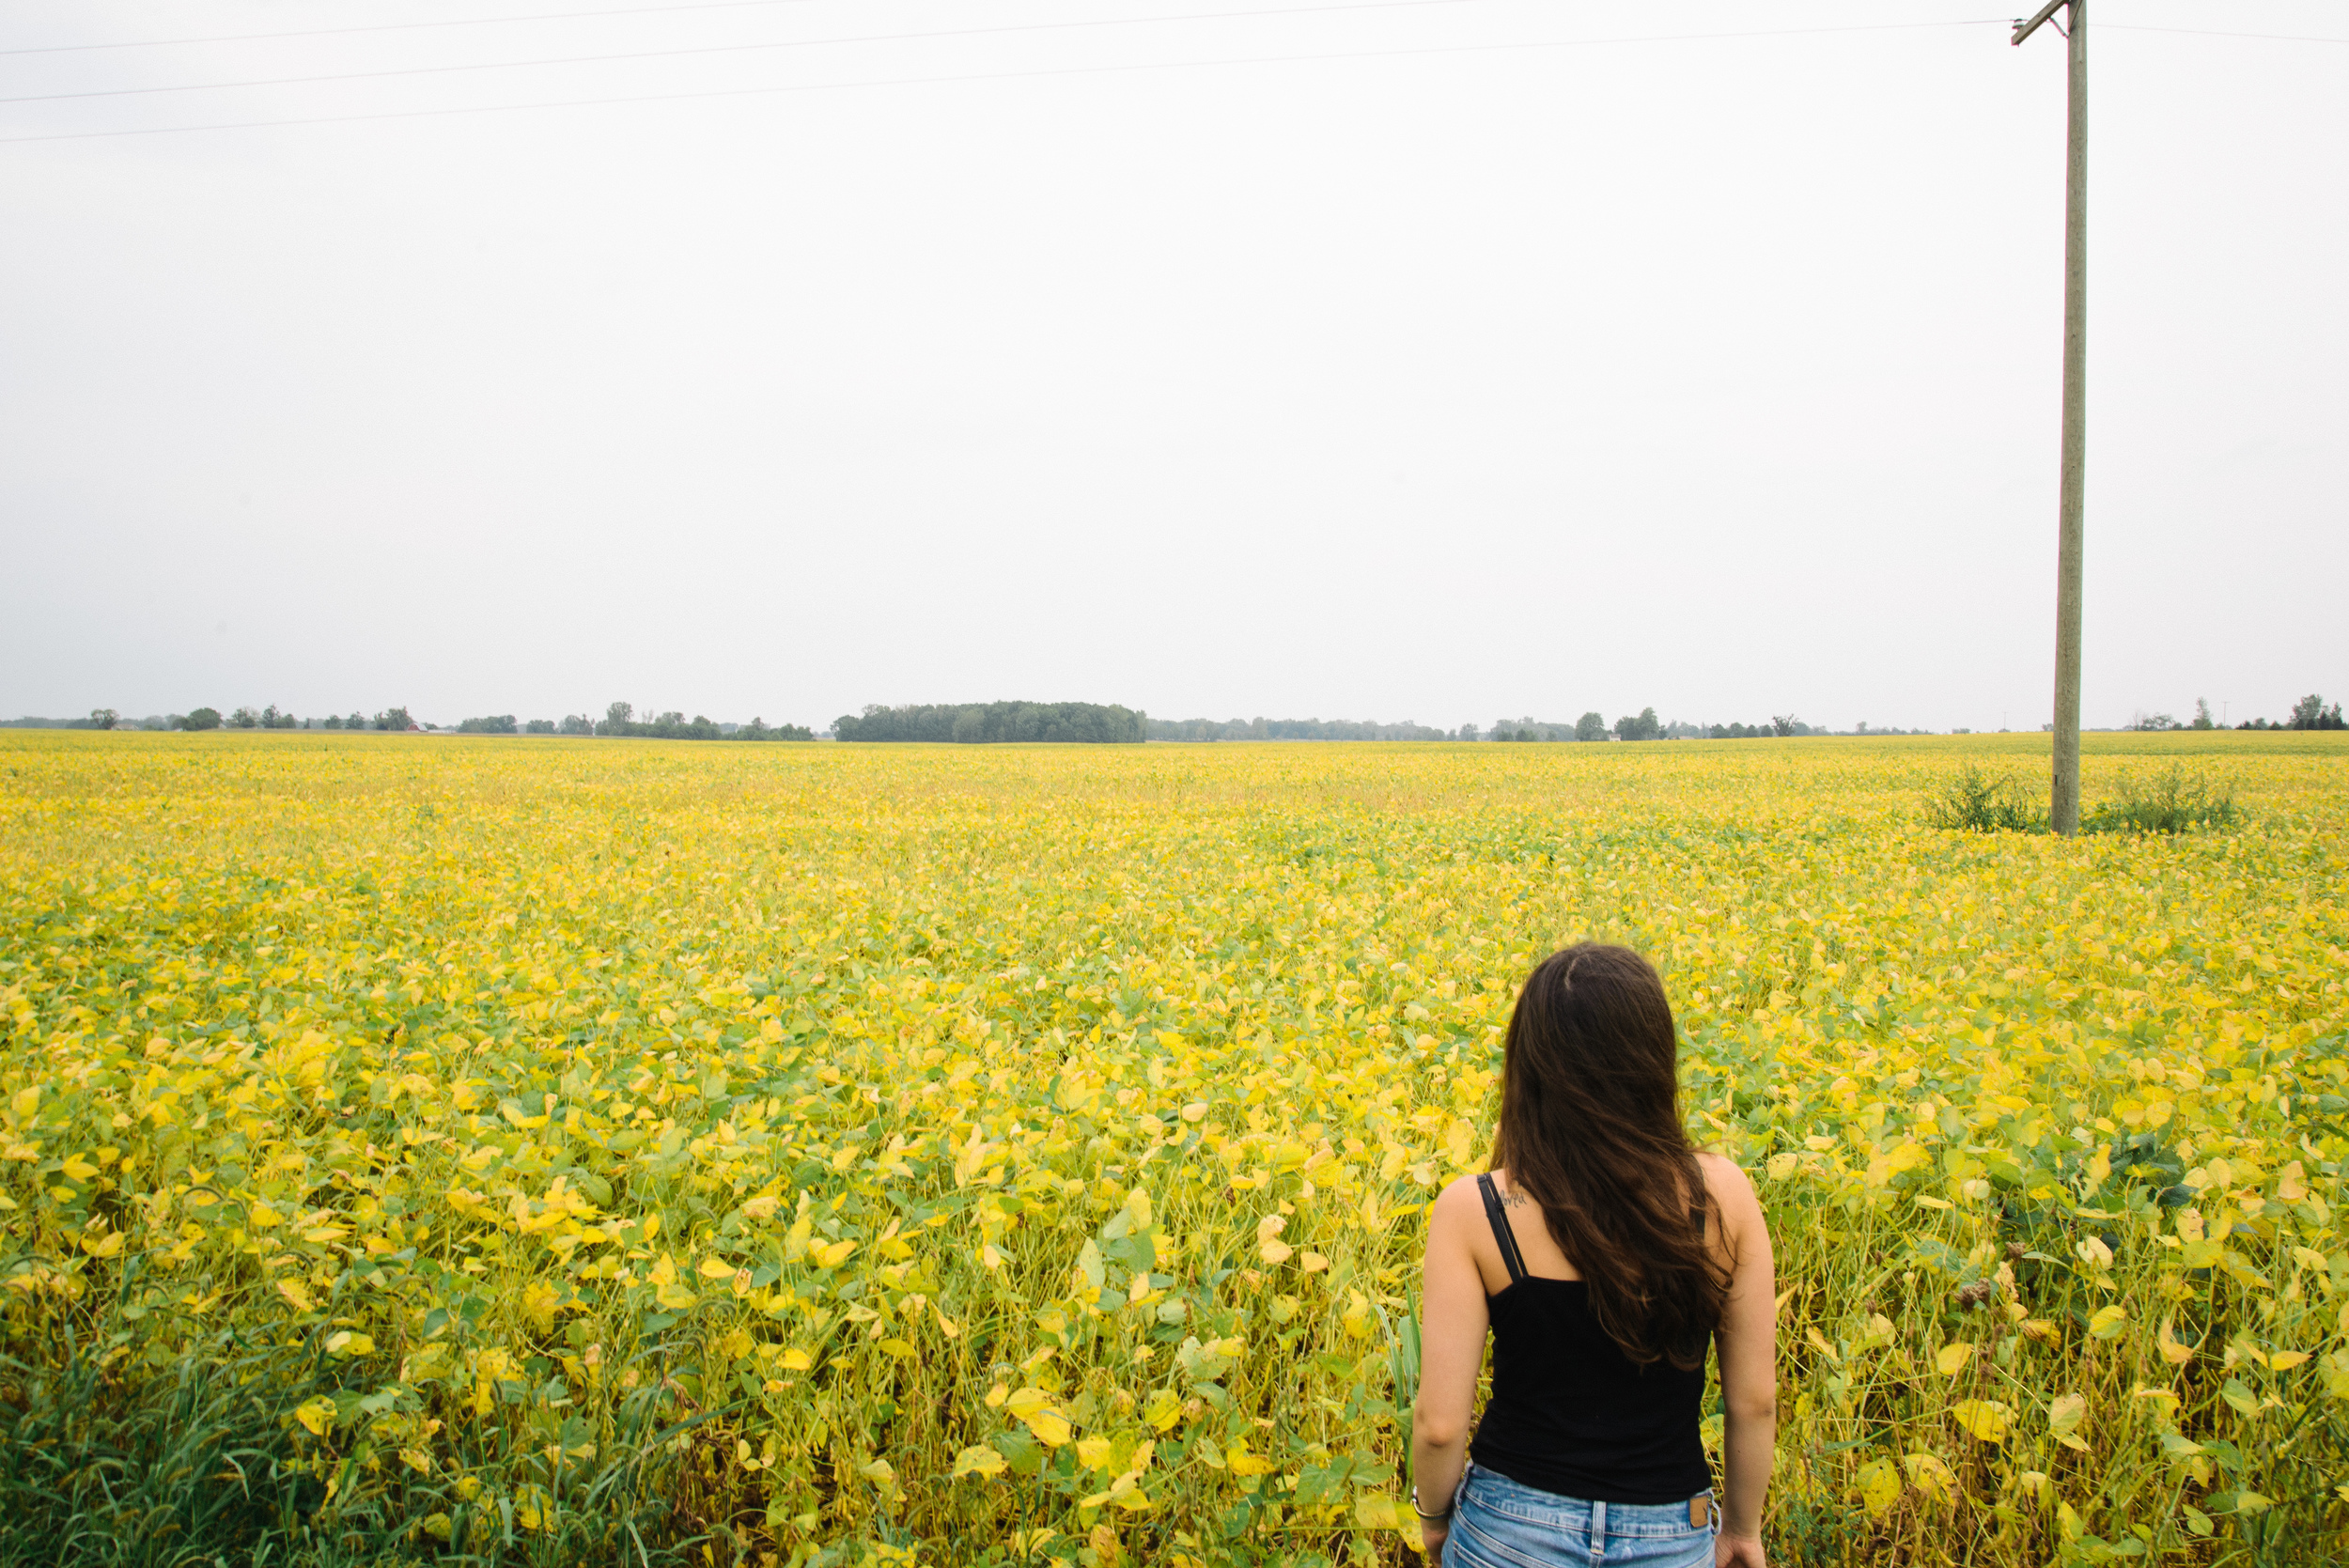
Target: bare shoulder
column 1722, row 1175
column 1728, row 1186
column 1455, row 1220
column 1457, row 1200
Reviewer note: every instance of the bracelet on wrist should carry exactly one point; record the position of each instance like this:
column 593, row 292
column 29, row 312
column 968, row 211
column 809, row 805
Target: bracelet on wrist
column 1426, row 1517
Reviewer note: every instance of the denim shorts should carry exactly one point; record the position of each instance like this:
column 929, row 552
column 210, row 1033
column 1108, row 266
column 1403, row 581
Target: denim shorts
column 1495, row 1523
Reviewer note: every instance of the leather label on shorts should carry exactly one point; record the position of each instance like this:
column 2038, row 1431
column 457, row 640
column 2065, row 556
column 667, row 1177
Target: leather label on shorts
column 1699, row 1510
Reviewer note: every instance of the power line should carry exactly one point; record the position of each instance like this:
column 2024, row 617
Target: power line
column 413, row 27
column 1009, row 76
column 729, row 5
column 399, row 26
column 731, row 49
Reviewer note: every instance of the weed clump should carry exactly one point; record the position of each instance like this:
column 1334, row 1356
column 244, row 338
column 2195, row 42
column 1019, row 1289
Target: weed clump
column 1976, row 801
column 2169, row 804
column 2172, row 802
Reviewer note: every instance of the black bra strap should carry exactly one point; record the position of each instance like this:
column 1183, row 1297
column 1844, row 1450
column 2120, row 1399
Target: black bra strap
column 1511, row 1258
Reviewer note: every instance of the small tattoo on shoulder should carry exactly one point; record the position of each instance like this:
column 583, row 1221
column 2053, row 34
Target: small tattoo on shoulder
column 1512, row 1199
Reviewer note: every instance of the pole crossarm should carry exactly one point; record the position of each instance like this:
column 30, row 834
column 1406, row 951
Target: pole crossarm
column 2025, row 29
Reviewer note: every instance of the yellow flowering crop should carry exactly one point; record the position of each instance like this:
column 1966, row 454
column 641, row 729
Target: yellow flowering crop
column 601, row 1151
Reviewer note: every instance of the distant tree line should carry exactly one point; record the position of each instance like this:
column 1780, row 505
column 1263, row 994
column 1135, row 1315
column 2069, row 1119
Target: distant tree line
column 1781, row 727
column 1087, row 722
column 395, row 719
column 975, row 723
column 1589, row 727
column 1642, row 726
column 1300, row 729
column 618, row 719
column 621, row 718
column 2309, row 713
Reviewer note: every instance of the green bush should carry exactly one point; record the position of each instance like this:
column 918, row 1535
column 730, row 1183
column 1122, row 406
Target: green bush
column 1974, row 802
column 2169, row 804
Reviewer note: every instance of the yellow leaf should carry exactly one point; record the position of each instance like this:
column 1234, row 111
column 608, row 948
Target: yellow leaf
column 105, row 1244
column 1929, row 1475
column 796, row 1359
column 2106, row 1321
column 1244, row 1463
column 1987, row 1419
column 978, row 1460
column 2063, row 1418
column 296, row 1292
column 343, row 1342
column 1163, row 1411
column 1094, row 1453
column 539, row 1303
column 1879, row 1484
column 717, row 1268
column 1033, row 1408
column 317, row 1414
column 833, row 1254
column 1374, row 1513
column 1951, row 1359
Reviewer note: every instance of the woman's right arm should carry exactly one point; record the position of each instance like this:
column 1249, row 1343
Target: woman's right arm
column 1453, row 1323
column 1747, row 1341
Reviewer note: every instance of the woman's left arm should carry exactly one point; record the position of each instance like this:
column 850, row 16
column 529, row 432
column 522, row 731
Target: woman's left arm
column 1452, row 1347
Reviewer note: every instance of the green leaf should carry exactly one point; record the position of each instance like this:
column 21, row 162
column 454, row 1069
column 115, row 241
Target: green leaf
column 1015, row 1444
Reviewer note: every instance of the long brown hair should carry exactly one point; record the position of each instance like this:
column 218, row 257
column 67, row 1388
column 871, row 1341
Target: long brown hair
column 1590, row 1131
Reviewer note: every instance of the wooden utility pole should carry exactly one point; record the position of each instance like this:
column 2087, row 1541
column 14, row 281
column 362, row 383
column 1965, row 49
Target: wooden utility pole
column 2063, row 805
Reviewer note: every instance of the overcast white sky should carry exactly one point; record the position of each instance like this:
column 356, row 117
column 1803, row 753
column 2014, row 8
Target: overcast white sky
column 1718, row 375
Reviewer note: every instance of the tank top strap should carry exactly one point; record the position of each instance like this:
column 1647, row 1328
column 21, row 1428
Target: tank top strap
column 1511, row 1258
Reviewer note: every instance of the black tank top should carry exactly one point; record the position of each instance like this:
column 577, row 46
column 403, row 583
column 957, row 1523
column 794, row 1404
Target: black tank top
column 1570, row 1413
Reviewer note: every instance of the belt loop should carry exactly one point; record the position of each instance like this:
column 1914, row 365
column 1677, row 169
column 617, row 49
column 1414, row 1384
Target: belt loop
column 1598, row 1532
